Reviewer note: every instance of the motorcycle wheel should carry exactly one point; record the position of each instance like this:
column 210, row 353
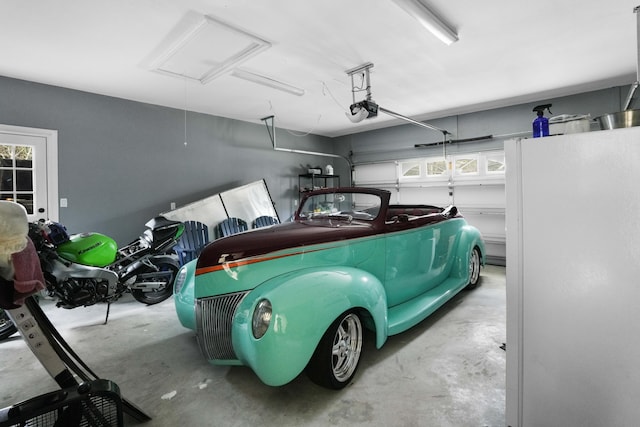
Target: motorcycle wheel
column 7, row 328
column 164, row 292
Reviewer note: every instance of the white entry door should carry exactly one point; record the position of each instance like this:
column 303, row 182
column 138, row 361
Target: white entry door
column 28, row 170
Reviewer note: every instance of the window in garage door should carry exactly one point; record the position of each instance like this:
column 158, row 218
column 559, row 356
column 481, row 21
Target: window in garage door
column 466, row 165
column 411, row 169
column 495, row 163
column 436, row 167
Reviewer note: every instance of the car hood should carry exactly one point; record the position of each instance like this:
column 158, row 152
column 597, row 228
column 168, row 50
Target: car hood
column 281, row 236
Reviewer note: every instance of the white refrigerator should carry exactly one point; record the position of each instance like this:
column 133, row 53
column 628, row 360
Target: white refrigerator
column 573, row 280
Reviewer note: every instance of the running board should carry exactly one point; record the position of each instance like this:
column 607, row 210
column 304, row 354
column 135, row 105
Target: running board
column 403, row 316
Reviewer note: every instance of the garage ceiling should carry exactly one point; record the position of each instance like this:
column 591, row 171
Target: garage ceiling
column 508, row 52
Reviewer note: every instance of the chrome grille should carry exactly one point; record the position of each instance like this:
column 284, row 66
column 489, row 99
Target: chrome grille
column 214, row 318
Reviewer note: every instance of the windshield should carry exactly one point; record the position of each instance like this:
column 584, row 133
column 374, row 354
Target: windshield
column 358, row 206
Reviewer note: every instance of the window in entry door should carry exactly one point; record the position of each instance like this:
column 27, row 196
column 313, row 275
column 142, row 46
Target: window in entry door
column 16, row 175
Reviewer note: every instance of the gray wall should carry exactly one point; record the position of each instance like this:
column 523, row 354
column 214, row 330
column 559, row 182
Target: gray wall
column 123, row 162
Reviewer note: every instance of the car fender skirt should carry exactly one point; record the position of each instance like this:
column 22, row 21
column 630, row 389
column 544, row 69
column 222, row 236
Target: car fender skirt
column 304, row 304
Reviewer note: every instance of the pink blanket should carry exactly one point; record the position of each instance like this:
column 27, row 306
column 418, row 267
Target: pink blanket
column 28, row 278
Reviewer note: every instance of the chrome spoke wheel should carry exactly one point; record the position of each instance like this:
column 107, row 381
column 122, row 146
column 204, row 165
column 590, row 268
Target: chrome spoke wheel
column 474, row 268
column 347, row 345
column 336, row 359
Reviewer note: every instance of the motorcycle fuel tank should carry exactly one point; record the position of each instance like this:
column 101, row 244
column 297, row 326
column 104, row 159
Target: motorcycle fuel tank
column 93, row 249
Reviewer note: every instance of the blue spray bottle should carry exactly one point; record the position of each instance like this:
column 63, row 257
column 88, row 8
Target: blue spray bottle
column 541, row 123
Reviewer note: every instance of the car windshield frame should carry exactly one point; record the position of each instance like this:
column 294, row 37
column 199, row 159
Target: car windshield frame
column 341, row 205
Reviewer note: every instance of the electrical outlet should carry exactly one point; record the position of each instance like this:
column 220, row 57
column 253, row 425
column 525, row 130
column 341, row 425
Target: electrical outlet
column 173, row 205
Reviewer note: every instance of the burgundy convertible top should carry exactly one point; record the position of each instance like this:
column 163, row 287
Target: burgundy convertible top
column 306, row 231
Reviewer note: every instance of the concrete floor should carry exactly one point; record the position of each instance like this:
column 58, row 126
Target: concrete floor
column 447, row 371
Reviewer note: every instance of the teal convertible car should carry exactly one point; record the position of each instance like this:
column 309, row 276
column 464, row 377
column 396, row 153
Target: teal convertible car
column 297, row 296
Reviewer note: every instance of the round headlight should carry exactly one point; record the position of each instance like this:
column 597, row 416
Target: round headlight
column 261, row 318
column 180, row 279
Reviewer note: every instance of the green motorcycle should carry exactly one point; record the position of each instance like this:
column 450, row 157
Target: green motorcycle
column 84, row 269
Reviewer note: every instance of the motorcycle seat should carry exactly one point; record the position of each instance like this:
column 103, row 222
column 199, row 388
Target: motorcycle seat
column 160, row 222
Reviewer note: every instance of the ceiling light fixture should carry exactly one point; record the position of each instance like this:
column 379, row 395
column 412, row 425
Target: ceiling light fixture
column 418, row 10
column 266, row 81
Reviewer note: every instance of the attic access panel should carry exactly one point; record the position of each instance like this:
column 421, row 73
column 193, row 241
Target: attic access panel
column 207, row 50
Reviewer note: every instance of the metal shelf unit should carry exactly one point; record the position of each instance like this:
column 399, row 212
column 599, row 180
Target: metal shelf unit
column 313, row 181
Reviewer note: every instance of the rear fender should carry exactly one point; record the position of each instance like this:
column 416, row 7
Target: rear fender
column 304, row 304
column 470, row 237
